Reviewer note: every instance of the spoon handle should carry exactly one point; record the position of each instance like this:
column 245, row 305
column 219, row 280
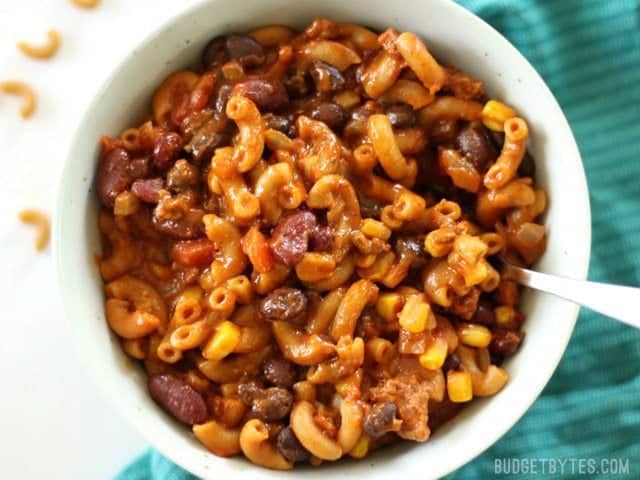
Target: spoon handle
column 615, row 301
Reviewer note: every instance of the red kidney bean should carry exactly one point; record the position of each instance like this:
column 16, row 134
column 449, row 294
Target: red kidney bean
column 279, row 372
column 401, row 115
column 290, row 447
column 326, row 77
column 194, row 253
column 474, row 141
column 113, row 175
column 288, row 304
column 214, row 53
column 166, row 148
column 224, row 94
column 321, row 238
column 245, row 50
column 182, row 175
column 290, row 237
column 380, row 419
column 330, row 113
column 140, row 167
column 178, row 398
column 505, row 342
column 148, row 189
column 268, row 95
column 202, row 92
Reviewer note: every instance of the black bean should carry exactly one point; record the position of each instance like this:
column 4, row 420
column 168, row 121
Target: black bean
column 505, row 342
column 279, row 372
column 290, row 447
column 248, row 392
column 485, row 314
column 268, row 95
column 330, row 113
column 326, row 77
column 474, row 141
column 273, row 404
column 296, row 84
column 451, row 363
column 282, row 123
column 380, row 419
column 283, row 304
column 401, row 115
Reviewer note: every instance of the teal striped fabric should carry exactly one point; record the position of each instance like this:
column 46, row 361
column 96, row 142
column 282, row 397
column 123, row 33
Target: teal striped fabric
column 588, row 52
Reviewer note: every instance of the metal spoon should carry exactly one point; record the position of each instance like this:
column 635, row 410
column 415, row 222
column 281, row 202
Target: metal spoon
column 615, row 301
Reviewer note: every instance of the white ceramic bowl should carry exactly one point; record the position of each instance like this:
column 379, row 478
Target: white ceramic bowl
column 455, row 36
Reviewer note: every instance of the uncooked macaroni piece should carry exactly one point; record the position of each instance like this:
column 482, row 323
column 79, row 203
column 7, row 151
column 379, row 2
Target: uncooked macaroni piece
column 86, row 3
column 300, row 246
column 41, row 221
column 47, row 50
column 15, row 87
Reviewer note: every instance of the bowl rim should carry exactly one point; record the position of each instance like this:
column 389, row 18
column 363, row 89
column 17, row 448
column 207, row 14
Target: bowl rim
column 122, row 406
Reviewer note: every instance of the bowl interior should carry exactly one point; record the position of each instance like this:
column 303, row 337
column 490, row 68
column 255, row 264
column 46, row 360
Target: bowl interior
column 456, row 37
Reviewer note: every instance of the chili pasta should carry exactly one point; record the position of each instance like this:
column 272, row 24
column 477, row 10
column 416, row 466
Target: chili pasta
column 300, row 245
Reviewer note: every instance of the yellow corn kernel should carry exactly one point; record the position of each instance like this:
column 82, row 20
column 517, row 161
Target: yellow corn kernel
column 416, row 315
column 474, row 335
column 435, row 355
column 375, row 229
column 223, row 341
column 362, row 447
column 389, row 305
column 505, row 316
column 495, row 113
column 459, row 386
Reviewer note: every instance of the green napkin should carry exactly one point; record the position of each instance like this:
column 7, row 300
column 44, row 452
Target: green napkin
column 588, row 52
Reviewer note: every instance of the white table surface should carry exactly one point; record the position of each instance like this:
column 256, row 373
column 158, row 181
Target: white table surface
column 53, row 422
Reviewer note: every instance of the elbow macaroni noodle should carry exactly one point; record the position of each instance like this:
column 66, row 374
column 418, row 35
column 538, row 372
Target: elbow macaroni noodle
column 299, row 246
